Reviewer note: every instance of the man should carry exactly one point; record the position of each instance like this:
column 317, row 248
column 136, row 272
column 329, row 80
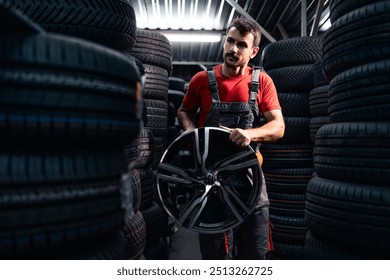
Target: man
column 234, row 96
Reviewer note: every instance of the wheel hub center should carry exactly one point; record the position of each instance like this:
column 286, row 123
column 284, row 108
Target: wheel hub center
column 210, row 179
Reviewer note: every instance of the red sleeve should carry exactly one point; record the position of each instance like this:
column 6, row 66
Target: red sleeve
column 268, row 99
column 191, row 100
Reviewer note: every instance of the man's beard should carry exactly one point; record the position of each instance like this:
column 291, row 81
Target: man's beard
column 230, row 63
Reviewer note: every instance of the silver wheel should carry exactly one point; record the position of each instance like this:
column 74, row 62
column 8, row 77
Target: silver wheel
column 207, row 183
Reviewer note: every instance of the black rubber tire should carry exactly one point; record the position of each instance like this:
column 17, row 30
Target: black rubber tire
column 338, row 8
column 288, row 180
column 172, row 133
column 176, row 97
column 361, row 94
column 114, row 248
column 318, row 73
column 159, row 149
column 293, row 78
column 156, row 119
column 318, row 249
column 134, row 232
column 63, row 91
column 287, row 251
column 351, row 214
column 294, row 104
column 147, row 143
column 297, row 130
column 137, row 189
column 289, row 230
column 146, row 150
column 107, row 22
column 283, row 204
column 315, row 124
column 287, row 155
column 156, row 83
column 172, row 112
column 359, row 37
column 292, row 52
column 318, row 101
column 354, row 152
column 132, row 151
column 56, row 203
column 177, row 83
column 155, row 222
column 152, row 47
column 147, row 187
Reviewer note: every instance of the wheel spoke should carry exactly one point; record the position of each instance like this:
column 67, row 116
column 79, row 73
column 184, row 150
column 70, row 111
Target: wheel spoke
column 202, row 200
column 230, row 165
column 201, row 157
column 183, row 176
column 227, row 195
column 174, row 179
column 200, row 210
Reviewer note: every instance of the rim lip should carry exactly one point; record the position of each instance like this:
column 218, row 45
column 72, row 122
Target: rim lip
column 211, row 230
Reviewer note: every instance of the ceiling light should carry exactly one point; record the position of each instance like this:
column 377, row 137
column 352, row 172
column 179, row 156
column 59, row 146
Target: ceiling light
column 326, row 25
column 187, row 36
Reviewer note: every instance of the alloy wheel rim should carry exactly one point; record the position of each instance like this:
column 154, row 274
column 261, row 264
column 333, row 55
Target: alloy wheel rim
column 206, row 183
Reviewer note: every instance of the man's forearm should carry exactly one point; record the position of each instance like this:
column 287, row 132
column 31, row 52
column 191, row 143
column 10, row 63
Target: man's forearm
column 186, row 120
column 269, row 132
column 272, row 130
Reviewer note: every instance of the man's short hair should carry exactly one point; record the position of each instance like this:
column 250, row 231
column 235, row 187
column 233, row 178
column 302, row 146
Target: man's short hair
column 245, row 26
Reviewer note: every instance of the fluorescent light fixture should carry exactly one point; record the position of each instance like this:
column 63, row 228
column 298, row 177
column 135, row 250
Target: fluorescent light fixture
column 325, row 21
column 326, row 25
column 190, row 36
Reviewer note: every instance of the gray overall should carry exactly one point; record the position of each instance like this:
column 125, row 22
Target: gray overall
column 250, row 239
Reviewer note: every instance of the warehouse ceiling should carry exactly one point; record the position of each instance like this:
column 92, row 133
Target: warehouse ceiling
column 278, row 19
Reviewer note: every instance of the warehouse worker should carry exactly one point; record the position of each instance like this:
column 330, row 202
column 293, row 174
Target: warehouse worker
column 237, row 87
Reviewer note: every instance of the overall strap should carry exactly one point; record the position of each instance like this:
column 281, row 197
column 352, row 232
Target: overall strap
column 254, row 83
column 212, row 84
column 254, row 86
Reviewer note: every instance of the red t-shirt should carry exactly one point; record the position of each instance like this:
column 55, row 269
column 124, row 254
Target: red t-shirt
column 230, row 89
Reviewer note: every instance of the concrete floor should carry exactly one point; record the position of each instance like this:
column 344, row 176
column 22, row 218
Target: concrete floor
column 184, row 245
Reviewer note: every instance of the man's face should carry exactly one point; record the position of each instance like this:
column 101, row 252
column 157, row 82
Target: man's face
column 238, row 49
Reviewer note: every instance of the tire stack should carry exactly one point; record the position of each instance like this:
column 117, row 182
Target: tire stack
column 176, row 91
column 110, row 23
column 67, row 107
column 288, row 163
column 139, row 154
column 318, row 100
column 348, row 203
column 175, row 98
column 153, row 50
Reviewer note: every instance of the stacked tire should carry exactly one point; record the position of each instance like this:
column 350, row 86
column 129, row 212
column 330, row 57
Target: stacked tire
column 153, row 50
column 67, row 107
column 348, row 203
column 288, row 163
column 318, row 100
column 110, row 23
column 141, row 157
column 176, row 92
